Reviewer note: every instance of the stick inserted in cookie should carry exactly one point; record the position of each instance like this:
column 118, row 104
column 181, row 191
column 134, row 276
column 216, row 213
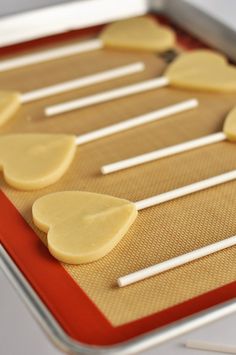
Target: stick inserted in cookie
column 228, row 133
column 10, row 101
column 97, row 222
column 51, row 54
column 88, row 80
column 202, row 70
column 137, row 121
column 182, row 259
column 47, row 165
column 106, row 96
column 161, row 153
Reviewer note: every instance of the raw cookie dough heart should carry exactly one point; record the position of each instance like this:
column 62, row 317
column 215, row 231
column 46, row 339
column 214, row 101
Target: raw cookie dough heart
column 141, row 33
column 82, row 227
column 9, row 104
column 33, row 161
column 202, row 70
column 229, row 128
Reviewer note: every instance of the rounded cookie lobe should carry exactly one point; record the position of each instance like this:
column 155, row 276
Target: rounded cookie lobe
column 34, row 161
column 141, row 33
column 202, row 70
column 9, row 104
column 229, row 127
column 192, row 60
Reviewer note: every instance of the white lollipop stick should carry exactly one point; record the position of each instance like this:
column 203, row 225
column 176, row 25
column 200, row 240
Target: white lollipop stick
column 205, row 345
column 137, row 121
column 175, row 262
column 186, row 190
column 106, row 96
column 162, row 153
column 182, row 259
column 82, row 82
column 50, row 54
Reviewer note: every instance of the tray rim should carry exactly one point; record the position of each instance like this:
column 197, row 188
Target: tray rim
column 72, row 15
column 211, row 30
column 65, row 343
column 215, row 33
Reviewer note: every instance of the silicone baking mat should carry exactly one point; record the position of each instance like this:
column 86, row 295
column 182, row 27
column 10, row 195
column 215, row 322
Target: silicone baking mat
column 159, row 233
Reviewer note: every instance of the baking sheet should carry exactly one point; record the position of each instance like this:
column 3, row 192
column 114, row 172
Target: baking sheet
column 160, row 232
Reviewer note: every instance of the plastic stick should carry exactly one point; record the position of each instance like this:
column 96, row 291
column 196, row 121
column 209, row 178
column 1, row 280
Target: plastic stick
column 162, row 153
column 137, row 121
column 175, row 262
column 186, row 190
column 205, row 345
column 82, row 82
column 106, row 96
column 51, row 54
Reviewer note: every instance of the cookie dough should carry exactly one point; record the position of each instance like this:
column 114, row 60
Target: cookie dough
column 229, row 127
column 33, row 161
column 202, row 70
column 9, row 104
column 141, row 33
column 82, row 227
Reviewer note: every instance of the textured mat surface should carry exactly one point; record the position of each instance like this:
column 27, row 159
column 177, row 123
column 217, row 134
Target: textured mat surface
column 159, row 232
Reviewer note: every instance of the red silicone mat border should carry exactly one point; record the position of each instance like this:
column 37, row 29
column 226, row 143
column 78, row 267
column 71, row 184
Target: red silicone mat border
column 68, row 303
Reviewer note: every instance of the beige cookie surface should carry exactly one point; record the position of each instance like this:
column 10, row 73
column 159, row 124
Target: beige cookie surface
column 33, row 161
column 202, row 70
column 82, row 227
column 141, row 33
column 229, row 127
column 9, row 104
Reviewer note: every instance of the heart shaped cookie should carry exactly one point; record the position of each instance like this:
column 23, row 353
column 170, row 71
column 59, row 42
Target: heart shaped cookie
column 202, row 70
column 9, row 104
column 33, row 161
column 141, row 33
column 229, row 127
column 82, row 227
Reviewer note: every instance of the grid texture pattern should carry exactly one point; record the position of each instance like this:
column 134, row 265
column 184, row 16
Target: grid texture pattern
column 161, row 232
